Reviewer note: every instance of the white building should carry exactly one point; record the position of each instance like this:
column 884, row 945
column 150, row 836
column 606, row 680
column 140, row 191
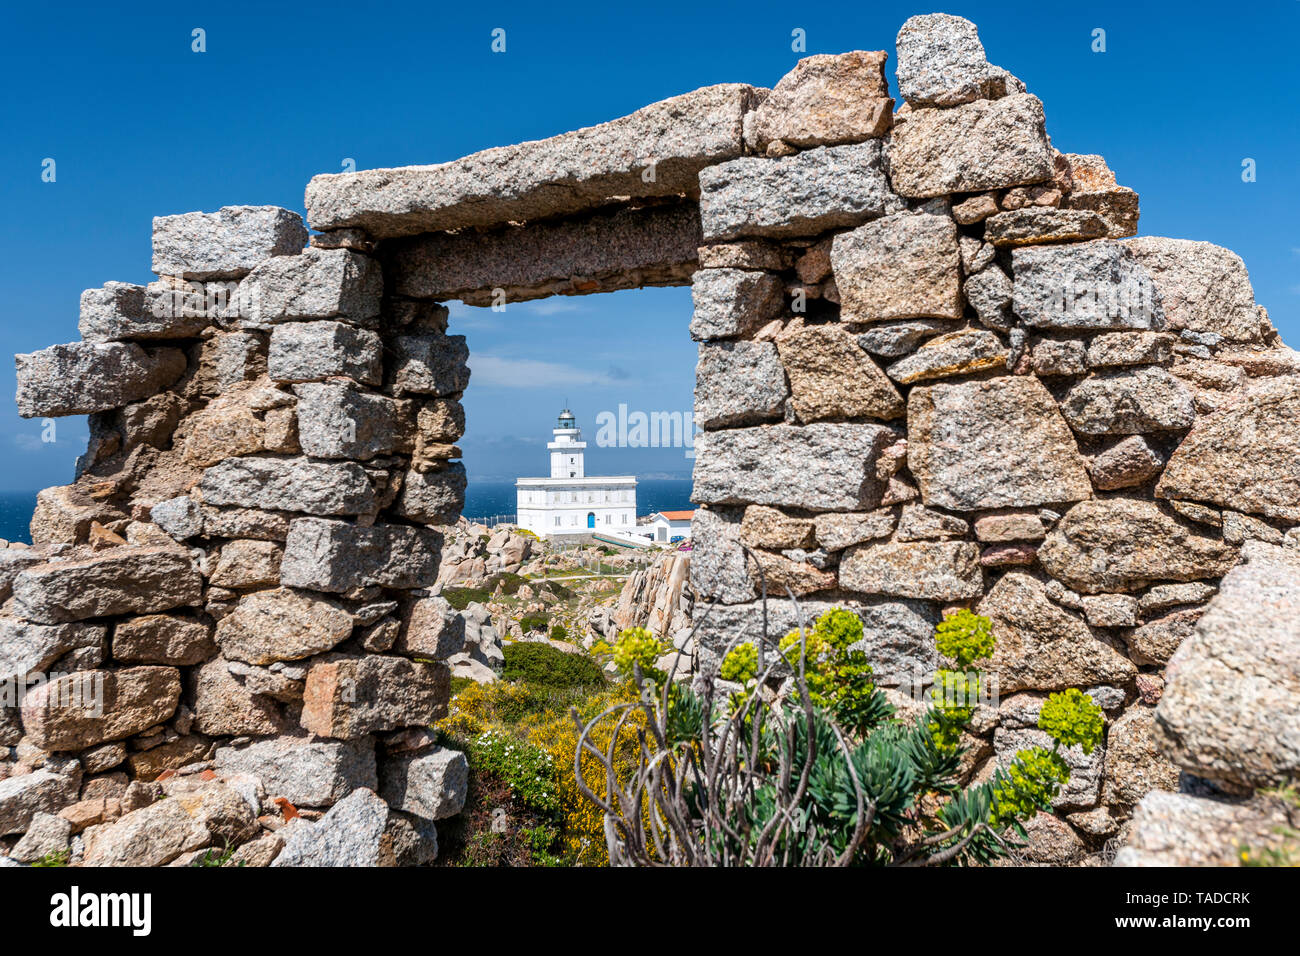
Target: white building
column 569, row 502
column 664, row 527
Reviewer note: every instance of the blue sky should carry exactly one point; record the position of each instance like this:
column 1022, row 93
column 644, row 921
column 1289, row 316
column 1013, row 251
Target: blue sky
column 141, row 126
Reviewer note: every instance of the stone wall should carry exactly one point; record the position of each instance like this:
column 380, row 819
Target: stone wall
column 936, row 370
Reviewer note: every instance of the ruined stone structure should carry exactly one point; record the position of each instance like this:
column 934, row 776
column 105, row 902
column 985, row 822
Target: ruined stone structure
column 935, row 370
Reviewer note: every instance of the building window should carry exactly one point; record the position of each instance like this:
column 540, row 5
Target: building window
column 557, row 521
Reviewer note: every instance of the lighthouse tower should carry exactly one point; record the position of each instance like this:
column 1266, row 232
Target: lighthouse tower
column 567, row 447
column 570, row 504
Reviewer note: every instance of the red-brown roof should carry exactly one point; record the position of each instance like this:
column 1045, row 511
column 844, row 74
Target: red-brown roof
column 677, row 515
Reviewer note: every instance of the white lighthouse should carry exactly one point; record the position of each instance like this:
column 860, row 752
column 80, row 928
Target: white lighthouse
column 568, row 502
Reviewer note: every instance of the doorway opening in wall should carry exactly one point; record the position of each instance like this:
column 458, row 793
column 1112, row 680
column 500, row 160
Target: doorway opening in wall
column 579, row 412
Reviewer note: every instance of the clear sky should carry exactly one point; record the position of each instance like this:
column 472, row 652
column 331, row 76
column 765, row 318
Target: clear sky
column 139, row 125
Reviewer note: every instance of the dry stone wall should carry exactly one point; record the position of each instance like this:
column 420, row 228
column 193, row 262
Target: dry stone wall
column 937, row 369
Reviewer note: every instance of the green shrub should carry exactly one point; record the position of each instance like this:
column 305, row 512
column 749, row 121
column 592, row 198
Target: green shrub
column 506, row 580
column 527, row 769
column 534, row 622
column 558, row 633
column 542, row 666
column 461, row 598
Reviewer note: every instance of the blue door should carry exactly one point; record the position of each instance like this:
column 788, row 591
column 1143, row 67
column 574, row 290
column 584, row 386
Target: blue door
column 591, row 519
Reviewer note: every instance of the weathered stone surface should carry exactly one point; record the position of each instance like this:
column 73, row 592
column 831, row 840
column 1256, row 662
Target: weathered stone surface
column 904, row 266
column 229, row 358
column 152, row 836
column 430, row 629
column 600, row 252
column 122, row 580
column 43, row 790
column 1134, row 764
column 1245, row 457
column 357, row 831
column 1130, row 348
column 957, row 353
column 992, row 444
column 1123, row 544
column 823, row 466
column 1128, row 402
column 12, row 561
column 316, row 284
column 733, row 302
column 1203, row 287
column 1110, row 610
column 28, row 648
column 1042, row 647
column 1093, row 186
column 929, row 570
column 282, row 625
column 1022, row 227
column 1239, row 528
column 1129, row 462
column 91, row 707
column 433, row 497
column 989, row 293
column 739, row 383
column 222, row 810
column 248, row 564
column 163, row 639
column 764, row 527
column 84, row 377
column 835, row 532
column 306, row 772
column 429, row 364
column 1177, row 829
column 225, row 706
column 310, row 351
column 757, row 254
column 244, row 523
column 147, row 765
column 987, row 144
column 348, row 697
column 825, row 100
column 918, row 523
column 432, row 785
column 1051, row 358
column 289, row 484
column 180, row 517
column 801, row 195
column 832, row 377
column 336, row 556
column 1154, row 642
column 120, row 312
column 1228, row 711
column 896, row 339
column 1085, row 285
column 719, row 569
column 1164, row 596
column 45, row 835
column 226, row 244
column 336, row 420
column 565, row 174
column 941, row 62
column 1011, row 526
column 1051, row 841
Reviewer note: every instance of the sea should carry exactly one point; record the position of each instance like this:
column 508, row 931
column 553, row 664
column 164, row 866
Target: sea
column 493, row 501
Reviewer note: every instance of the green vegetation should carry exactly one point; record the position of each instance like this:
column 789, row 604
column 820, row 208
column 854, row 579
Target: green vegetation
column 539, row 665
column 830, row 775
column 55, row 858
